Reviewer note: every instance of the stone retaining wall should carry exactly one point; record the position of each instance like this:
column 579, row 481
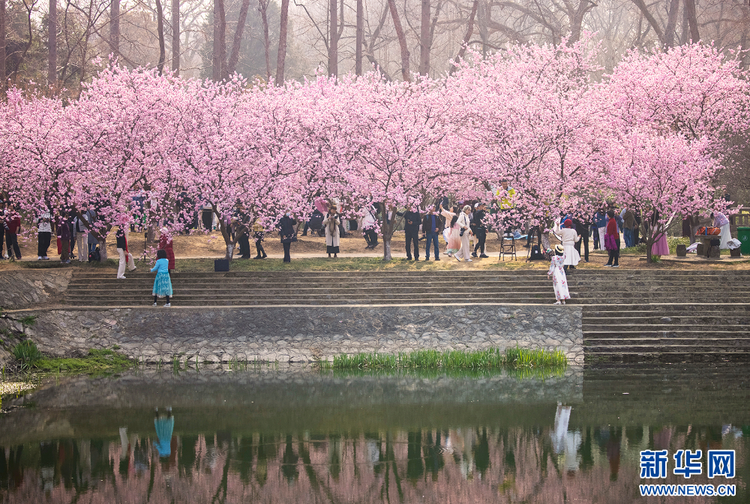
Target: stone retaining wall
column 31, row 288
column 304, row 334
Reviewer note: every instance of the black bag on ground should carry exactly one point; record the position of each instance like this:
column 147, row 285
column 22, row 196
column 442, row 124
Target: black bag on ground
column 536, row 254
column 95, row 255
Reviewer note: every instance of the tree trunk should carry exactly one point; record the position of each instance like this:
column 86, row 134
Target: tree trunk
column 220, row 41
column 360, row 39
column 650, row 18
column 234, row 55
column 467, row 37
column 387, row 230
column 103, row 249
column 114, row 27
column 160, row 33
column 281, row 57
column 669, row 31
column 425, row 40
column 266, row 36
column 692, row 20
column 52, row 41
column 405, row 73
column 2, row 45
column 176, row 37
column 333, row 39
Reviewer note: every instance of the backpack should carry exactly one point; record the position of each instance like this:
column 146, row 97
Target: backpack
column 536, row 254
column 316, row 221
column 95, row 255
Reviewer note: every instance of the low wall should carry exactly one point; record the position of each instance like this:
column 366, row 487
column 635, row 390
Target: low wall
column 304, row 334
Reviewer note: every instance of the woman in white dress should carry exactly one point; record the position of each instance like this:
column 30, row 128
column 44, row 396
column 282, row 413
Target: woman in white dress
column 569, row 238
column 464, row 231
column 557, row 273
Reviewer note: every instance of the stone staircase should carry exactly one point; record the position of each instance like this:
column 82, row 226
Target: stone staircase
column 627, row 314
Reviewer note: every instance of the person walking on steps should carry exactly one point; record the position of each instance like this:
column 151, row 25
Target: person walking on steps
column 612, row 241
column 162, row 282
column 557, row 273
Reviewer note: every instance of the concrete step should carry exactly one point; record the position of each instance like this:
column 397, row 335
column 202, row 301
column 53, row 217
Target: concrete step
column 656, row 327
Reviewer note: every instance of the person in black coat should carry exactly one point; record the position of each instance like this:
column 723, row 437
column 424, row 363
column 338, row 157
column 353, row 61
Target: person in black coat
column 412, row 220
column 432, row 225
column 287, row 234
column 479, row 230
column 582, row 228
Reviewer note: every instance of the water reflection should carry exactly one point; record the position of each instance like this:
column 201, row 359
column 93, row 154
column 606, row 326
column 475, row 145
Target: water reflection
column 558, row 452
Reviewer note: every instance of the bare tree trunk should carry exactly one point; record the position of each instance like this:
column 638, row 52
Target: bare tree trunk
column 2, row 45
column 406, row 74
column 160, row 33
column 467, row 37
column 114, row 27
column 52, row 40
column 692, row 20
column 176, row 37
column 333, row 39
column 234, row 55
column 360, row 39
column 669, row 31
column 263, row 5
column 650, row 18
column 281, row 57
column 425, row 40
column 220, row 41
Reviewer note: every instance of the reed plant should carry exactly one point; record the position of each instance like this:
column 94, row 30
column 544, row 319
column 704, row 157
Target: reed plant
column 491, row 358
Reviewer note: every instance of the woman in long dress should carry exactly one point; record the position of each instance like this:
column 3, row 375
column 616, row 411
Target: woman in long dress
column 464, row 224
column 332, row 223
column 569, row 237
column 454, row 238
column 559, row 278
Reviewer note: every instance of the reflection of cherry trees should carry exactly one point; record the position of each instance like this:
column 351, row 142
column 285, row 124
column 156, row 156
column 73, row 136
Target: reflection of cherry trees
column 462, row 464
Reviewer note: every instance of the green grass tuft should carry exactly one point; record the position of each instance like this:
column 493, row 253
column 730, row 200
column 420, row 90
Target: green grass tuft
column 492, row 358
column 96, row 362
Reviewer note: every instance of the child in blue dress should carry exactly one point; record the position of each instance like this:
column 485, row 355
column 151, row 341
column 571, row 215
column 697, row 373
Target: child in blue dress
column 162, row 283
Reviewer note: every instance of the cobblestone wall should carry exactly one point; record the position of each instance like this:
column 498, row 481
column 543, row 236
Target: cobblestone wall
column 305, row 334
column 31, row 288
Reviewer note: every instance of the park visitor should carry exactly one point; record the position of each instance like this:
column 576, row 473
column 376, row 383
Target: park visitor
column 722, row 222
column 81, row 232
column 369, row 221
column 44, row 236
column 412, row 219
column 451, row 232
column 162, row 282
column 332, row 224
column 63, row 234
column 12, row 228
column 287, row 235
column 165, row 244
column 612, row 241
column 259, row 233
column 600, row 221
column 432, row 226
column 628, row 220
column 557, row 273
column 583, row 230
column 464, row 231
column 126, row 258
column 480, row 231
column 569, row 238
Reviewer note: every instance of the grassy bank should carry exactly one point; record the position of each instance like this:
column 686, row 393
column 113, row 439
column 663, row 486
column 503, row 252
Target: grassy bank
column 30, row 359
column 492, row 358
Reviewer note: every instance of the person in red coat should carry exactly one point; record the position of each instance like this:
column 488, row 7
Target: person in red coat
column 165, row 244
column 12, row 226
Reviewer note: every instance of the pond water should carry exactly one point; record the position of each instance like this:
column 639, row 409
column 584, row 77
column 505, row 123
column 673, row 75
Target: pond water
column 298, row 435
